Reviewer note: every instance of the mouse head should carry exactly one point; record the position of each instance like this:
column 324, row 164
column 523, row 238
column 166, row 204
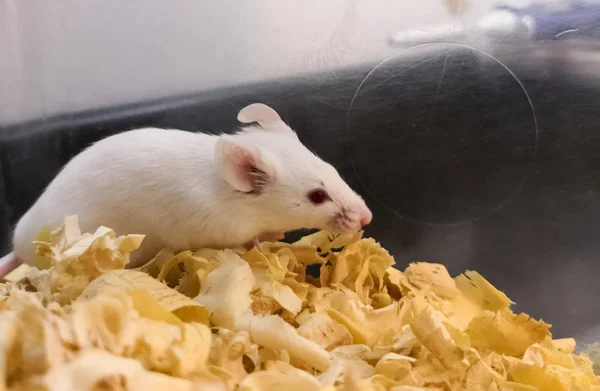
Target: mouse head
column 289, row 185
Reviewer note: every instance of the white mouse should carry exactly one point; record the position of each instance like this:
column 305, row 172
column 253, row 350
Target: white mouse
column 188, row 190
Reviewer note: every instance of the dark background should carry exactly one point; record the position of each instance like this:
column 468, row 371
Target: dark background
column 443, row 144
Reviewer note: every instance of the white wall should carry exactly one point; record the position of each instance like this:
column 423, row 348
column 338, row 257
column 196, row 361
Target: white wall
column 59, row 56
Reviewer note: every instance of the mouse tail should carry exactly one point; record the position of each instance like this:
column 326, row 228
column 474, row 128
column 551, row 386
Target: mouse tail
column 8, row 263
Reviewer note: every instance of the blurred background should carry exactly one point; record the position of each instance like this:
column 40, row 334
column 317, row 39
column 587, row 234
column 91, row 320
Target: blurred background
column 68, row 56
column 471, row 127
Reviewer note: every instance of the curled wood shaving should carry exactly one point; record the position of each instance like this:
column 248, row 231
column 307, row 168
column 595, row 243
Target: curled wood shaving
column 207, row 319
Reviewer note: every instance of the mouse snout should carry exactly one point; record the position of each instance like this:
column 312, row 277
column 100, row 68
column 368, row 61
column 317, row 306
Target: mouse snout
column 365, row 216
column 350, row 218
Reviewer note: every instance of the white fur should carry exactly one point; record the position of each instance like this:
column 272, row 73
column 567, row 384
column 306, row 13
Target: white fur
column 165, row 184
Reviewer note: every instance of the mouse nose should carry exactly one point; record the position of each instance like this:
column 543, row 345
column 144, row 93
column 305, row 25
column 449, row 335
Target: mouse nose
column 366, row 216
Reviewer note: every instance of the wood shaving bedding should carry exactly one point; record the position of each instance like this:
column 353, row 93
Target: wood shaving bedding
column 207, row 319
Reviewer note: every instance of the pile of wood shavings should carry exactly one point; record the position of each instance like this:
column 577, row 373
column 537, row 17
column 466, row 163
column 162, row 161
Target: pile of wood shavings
column 254, row 320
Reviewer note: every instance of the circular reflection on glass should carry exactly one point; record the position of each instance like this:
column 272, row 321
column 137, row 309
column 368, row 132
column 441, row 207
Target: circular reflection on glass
column 441, row 134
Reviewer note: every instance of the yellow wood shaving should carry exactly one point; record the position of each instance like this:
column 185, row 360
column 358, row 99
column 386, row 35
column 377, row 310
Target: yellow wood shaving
column 209, row 319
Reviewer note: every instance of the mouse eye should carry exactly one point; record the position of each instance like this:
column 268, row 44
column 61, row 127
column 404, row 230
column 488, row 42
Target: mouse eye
column 318, row 196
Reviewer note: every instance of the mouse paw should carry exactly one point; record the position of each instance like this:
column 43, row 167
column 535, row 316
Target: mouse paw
column 270, row 236
column 264, row 237
column 251, row 244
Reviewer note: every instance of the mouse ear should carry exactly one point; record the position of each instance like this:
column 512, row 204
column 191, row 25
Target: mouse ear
column 242, row 166
column 266, row 117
